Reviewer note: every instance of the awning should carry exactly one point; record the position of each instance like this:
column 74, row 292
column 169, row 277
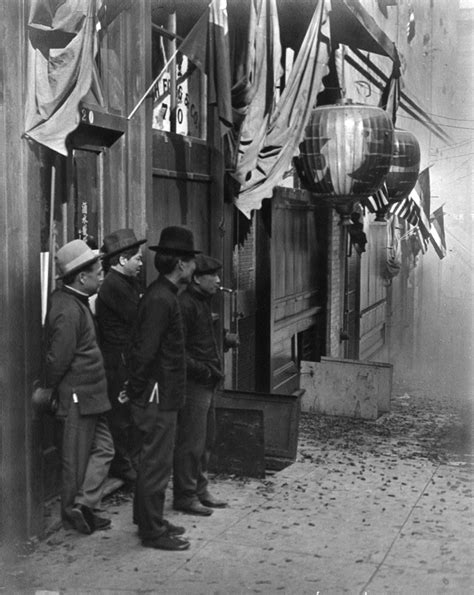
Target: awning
column 352, row 25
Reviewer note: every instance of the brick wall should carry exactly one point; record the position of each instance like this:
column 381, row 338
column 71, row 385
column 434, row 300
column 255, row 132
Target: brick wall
column 244, row 281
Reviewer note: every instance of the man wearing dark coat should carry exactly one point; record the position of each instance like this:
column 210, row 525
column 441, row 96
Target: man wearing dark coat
column 156, row 384
column 116, row 312
column 204, row 371
column 75, row 370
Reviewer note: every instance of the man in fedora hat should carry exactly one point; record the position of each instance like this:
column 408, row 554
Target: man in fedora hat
column 204, row 372
column 116, row 312
column 75, row 370
column 157, row 382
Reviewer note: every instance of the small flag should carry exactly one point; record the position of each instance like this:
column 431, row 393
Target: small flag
column 437, row 237
column 378, row 201
column 415, row 207
column 405, row 209
column 411, row 26
column 421, row 196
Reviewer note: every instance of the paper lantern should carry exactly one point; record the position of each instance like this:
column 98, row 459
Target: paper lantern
column 405, row 166
column 346, row 152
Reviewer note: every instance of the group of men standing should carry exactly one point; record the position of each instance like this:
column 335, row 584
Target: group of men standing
column 135, row 383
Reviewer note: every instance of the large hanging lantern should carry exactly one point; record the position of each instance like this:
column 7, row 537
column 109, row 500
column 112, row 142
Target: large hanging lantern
column 346, row 153
column 405, row 166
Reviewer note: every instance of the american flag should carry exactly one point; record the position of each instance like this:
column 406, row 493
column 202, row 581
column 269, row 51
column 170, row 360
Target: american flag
column 415, row 208
column 437, row 232
column 378, row 201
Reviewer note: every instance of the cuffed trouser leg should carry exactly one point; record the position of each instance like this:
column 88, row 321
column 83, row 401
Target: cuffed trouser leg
column 155, row 462
column 87, row 450
column 202, row 480
column 190, row 444
column 100, row 458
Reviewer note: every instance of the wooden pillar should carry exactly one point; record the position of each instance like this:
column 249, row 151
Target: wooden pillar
column 20, row 301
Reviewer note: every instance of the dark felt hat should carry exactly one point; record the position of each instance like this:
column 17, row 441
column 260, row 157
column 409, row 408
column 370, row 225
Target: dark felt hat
column 120, row 241
column 176, row 239
column 206, row 265
column 74, row 257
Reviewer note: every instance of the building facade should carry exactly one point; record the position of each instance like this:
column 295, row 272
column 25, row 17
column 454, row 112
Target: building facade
column 147, row 156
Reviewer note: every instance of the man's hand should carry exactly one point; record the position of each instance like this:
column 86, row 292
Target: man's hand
column 215, row 372
column 231, row 340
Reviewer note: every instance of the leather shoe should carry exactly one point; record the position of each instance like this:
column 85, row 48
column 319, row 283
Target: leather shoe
column 167, row 542
column 194, row 507
column 212, row 502
column 81, row 519
column 100, row 523
column 174, row 529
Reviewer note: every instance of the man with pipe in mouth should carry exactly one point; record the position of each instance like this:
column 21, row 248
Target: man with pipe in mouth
column 204, row 370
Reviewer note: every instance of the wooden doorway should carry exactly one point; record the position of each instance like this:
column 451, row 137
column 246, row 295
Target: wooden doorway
column 73, row 208
column 291, row 263
column 351, row 318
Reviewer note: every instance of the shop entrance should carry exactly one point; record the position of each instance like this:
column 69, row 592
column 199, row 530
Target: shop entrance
column 73, row 208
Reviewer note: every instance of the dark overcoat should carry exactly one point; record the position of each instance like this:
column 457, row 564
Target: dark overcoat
column 74, row 364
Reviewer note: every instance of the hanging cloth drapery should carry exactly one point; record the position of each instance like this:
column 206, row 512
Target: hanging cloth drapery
column 61, row 51
column 286, row 124
column 253, row 94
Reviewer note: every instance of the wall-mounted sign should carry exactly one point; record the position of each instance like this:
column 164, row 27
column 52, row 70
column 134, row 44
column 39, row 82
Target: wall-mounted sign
column 189, row 100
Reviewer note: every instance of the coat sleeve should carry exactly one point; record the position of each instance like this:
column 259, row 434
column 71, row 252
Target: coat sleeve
column 152, row 323
column 62, row 343
column 195, row 369
column 118, row 297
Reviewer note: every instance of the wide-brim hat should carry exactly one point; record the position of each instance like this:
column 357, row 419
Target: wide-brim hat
column 176, row 239
column 207, row 265
column 73, row 257
column 120, row 241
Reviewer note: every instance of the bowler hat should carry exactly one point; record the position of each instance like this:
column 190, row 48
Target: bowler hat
column 176, row 239
column 120, row 241
column 206, row 265
column 73, row 257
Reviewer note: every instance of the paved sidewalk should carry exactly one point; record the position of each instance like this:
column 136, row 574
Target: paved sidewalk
column 368, row 507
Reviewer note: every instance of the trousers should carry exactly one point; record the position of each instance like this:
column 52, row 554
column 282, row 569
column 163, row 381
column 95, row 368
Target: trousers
column 194, row 442
column 122, row 428
column 86, row 453
column 155, row 463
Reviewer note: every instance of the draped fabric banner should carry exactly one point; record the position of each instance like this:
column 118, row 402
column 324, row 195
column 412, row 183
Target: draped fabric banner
column 207, row 46
column 390, row 98
column 61, row 53
column 254, row 93
column 286, row 124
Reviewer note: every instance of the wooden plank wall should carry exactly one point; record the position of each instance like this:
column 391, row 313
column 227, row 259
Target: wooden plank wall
column 20, row 295
column 373, row 295
column 127, row 163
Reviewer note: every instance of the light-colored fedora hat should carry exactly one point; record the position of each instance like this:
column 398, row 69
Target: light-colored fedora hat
column 73, row 257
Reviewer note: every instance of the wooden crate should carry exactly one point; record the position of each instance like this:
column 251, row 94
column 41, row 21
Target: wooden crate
column 280, row 420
